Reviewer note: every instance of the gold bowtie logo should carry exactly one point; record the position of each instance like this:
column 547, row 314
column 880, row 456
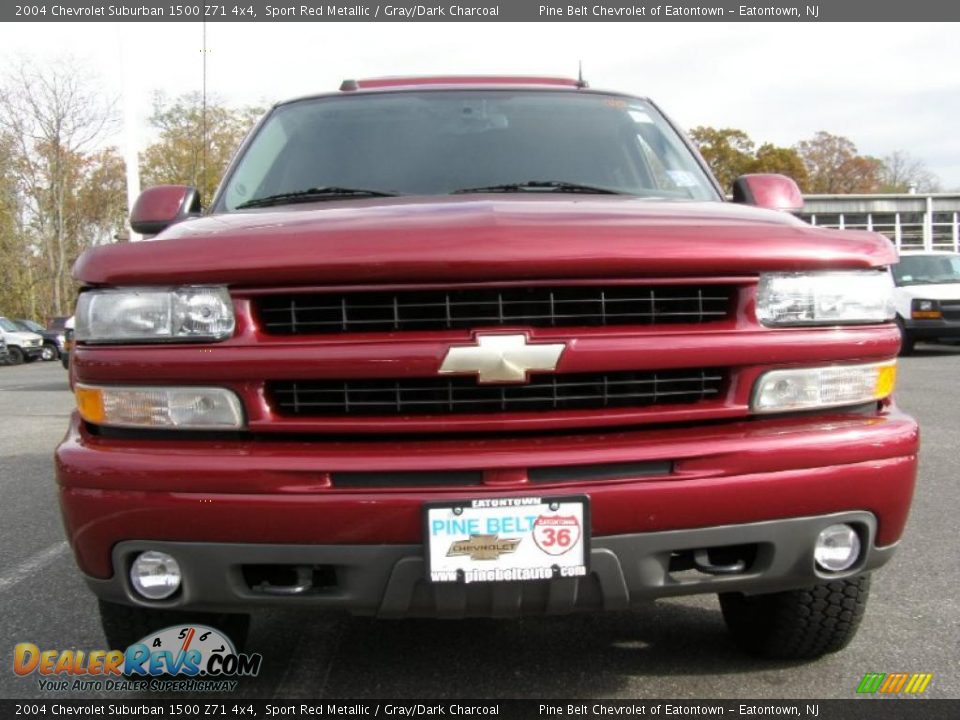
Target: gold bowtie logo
column 483, row 547
column 501, row 358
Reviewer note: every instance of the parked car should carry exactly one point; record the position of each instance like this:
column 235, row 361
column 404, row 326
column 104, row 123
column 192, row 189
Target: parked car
column 23, row 345
column 52, row 340
column 542, row 364
column 58, row 323
column 67, row 343
column 927, row 297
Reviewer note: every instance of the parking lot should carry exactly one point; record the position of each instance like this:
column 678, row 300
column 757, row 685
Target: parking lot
column 676, row 649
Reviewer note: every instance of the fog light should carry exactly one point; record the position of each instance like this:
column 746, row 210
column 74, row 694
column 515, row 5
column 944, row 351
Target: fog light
column 155, row 575
column 837, row 549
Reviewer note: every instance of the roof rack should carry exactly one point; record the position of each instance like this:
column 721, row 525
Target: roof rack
column 390, row 82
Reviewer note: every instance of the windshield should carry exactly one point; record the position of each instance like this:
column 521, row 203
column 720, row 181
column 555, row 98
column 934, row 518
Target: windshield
column 440, row 142
column 8, row 325
column 927, row 269
column 29, row 326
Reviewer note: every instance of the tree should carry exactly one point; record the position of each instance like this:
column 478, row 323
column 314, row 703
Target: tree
column 100, row 210
column 834, row 166
column 193, row 149
column 786, row 161
column 728, row 152
column 15, row 290
column 904, row 173
column 53, row 116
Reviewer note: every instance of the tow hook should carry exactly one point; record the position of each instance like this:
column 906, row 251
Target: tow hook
column 701, row 559
column 303, row 583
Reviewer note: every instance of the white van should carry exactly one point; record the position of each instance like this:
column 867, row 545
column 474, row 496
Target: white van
column 22, row 346
column 927, row 296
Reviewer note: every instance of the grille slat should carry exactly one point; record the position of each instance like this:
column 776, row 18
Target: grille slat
column 373, row 311
column 453, row 395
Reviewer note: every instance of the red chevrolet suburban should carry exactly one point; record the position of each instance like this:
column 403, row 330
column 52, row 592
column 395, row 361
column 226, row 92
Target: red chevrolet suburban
column 470, row 346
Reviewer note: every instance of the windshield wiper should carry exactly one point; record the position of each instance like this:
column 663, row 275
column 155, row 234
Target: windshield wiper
column 551, row 185
column 934, row 281
column 327, row 192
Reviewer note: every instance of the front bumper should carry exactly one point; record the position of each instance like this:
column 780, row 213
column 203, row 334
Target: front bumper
column 926, row 329
column 390, row 580
column 228, row 502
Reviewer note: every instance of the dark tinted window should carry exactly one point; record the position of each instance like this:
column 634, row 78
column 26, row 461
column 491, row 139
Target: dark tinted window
column 437, row 142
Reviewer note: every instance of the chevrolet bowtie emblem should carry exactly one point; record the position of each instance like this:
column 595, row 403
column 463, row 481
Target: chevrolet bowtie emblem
column 501, row 358
column 483, row 547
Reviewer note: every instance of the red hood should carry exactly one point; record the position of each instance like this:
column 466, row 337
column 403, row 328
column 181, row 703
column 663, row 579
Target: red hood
column 479, row 238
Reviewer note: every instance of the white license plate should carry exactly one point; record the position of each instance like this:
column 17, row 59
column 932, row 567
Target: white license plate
column 507, row 539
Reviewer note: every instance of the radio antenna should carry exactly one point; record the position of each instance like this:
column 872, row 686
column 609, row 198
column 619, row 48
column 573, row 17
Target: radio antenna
column 203, row 115
column 581, row 83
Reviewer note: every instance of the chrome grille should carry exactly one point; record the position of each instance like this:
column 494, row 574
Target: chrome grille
column 563, row 306
column 451, row 395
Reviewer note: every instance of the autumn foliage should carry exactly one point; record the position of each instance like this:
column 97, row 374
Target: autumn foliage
column 825, row 163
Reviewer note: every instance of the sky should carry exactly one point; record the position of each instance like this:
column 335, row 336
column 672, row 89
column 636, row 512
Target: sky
column 886, row 86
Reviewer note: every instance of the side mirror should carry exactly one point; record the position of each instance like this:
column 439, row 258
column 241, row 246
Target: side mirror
column 766, row 190
column 160, row 207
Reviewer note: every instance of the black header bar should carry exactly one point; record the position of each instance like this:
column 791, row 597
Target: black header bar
column 480, row 11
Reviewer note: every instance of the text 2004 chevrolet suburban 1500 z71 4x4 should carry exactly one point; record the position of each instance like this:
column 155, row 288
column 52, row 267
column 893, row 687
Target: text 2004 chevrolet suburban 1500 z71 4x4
column 484, row 346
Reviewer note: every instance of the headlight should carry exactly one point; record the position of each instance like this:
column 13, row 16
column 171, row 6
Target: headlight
column 193, row 408
column 825, row 298
column 822, row 387
column 925, row 310
column 154, row 314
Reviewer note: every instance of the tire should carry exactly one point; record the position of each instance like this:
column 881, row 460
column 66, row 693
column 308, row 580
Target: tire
column 49, row 353
column 124, row 625
column 907, row 342
column 16, row 355
column 798, row 624
column 65, row 360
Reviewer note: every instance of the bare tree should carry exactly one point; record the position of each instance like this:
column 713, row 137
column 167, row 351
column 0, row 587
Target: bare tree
column 55, row 115
column 904, row 173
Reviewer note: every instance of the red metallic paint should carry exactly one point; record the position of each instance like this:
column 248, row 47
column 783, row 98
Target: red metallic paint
column 768, row 190
column 161, row 206
column 247, row 360
column 462, row 80
column 244, row 368
column 727, row 468
column 451, row 239
column 113, row 490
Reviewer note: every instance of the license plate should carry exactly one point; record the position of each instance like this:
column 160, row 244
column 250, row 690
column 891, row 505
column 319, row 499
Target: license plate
column 507, row 539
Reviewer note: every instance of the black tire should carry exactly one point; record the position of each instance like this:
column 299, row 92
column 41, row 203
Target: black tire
column 49, row 352
column 65, row 360
column 16, row 355
column 124, row 625
column 798, row 624
column 907, row 342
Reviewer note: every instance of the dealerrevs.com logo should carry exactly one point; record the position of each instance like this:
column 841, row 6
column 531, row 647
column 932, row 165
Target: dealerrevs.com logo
column 181, row 658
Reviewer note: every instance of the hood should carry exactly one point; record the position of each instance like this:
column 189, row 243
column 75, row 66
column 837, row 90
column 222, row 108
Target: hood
column 476, row 238
column 938, row 291
column 21, row 336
